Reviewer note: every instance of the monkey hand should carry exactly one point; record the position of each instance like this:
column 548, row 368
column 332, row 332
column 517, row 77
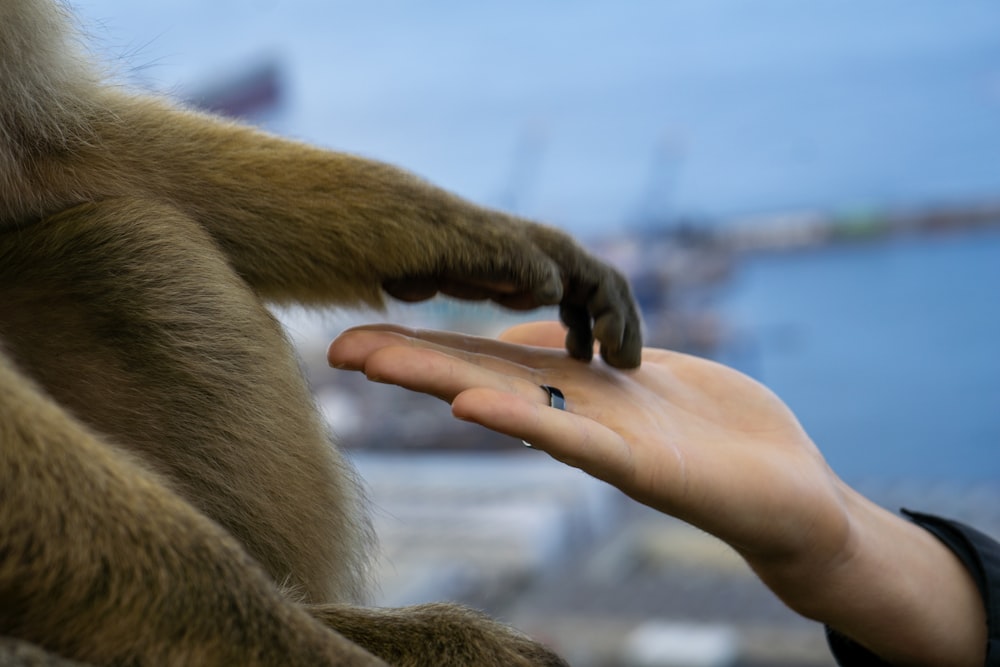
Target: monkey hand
column 523, row 265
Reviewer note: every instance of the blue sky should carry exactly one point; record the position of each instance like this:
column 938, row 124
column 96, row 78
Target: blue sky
column 592, row 112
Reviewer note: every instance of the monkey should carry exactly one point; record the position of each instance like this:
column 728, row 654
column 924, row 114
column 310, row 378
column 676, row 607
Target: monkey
column 168, row 492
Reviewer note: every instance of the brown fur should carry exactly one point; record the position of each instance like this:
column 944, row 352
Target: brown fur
column 163, row 474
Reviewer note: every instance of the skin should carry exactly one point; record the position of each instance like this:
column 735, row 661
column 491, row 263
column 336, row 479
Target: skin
column 704, row 443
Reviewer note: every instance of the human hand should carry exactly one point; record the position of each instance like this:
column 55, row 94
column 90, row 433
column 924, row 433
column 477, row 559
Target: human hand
column 684, row 435
column 702, row 442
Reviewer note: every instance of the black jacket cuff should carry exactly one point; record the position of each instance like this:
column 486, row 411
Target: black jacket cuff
column 981, row 556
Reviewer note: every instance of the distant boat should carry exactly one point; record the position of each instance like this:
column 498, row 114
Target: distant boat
column 249, row 92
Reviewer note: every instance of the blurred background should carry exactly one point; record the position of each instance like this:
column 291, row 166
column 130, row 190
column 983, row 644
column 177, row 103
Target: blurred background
column 807, row 191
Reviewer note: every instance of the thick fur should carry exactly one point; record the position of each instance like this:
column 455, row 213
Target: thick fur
column 164, row 478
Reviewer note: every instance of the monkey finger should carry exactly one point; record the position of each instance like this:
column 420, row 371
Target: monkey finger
column 616, row 324
column 421, row 289
column 480, row 289
column 411, row 289
column 609, row 329
column 467, row 292
column 630, row 352
column 504, row 292
column 518, row 301
column 621, row 340
column 579, row 335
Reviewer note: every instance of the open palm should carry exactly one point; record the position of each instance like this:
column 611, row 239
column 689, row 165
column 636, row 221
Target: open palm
column 684, row 435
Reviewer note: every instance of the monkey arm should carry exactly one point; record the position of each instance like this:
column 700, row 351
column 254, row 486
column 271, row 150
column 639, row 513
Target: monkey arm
column 297, row 223
column 319, row 227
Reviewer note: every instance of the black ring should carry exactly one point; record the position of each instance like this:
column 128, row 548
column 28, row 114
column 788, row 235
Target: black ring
column 556, row 398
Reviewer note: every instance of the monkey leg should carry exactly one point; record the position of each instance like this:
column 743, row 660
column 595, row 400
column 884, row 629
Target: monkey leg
column 304, row 225
column 99, row 562
column 436, row 634
column 125, row 312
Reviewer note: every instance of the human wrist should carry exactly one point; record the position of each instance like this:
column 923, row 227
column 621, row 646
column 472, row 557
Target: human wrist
column 893, row 588
column 801, row 571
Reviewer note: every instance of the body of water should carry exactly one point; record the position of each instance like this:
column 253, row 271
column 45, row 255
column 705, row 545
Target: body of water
column 889, row 352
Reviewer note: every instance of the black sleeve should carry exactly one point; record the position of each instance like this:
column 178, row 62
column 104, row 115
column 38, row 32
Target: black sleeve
column 979, row 553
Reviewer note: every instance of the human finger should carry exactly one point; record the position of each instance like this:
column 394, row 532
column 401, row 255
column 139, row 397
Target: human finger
column 352, row 347
column 445, row 374
column 568, row 437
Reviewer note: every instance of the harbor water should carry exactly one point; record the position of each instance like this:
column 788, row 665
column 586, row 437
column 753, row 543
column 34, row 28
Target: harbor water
column 887, row 351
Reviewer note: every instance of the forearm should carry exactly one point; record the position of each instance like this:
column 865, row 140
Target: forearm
column 297, row 222
column 897, row 590
column 321, row 227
